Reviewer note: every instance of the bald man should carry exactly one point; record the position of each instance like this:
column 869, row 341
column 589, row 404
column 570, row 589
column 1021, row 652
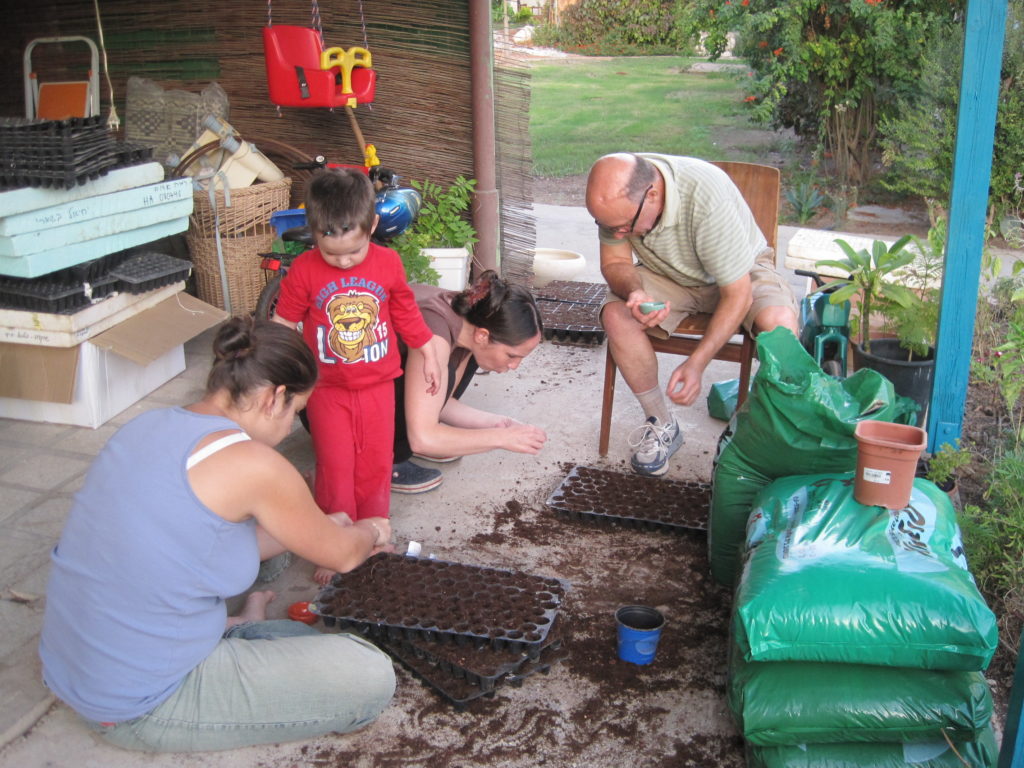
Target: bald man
column 699, row 250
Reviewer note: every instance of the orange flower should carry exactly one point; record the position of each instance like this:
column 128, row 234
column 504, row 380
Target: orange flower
column 751, row 98
column 763, row 44
column 777, row 51
column 745, row 2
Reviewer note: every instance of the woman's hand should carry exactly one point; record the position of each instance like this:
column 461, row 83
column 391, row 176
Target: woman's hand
column 523, row 438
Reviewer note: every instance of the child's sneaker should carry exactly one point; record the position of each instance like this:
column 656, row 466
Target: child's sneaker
column 407, row 477
column 654, row 443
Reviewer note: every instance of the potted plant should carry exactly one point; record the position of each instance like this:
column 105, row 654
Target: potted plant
column 436, row 248
column 908, row 309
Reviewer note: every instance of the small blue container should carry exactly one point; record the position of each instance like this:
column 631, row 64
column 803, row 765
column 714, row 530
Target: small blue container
column 282, row 221
column 639, row 628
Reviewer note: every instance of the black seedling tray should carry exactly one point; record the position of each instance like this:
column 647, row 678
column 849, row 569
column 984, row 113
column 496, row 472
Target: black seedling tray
column 570, row 290
column 648, row 503
column 483, row 666
column 53, row 296
column 571, row 322
column 454, row 684
column 401, row 597
column 54, row 153
column 149, row 270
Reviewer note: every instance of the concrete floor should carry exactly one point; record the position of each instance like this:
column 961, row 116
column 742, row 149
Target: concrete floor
column 43, row 465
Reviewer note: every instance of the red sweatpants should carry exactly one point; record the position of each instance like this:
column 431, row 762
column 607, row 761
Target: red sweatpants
column 353, row 434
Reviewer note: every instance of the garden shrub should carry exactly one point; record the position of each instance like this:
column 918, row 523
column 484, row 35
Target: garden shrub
column 611, row 26
column 828, row 69
column 919, row 137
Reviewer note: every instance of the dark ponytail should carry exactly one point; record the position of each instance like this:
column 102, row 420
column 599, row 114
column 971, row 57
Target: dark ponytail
column 508, row 312
column 249, row 354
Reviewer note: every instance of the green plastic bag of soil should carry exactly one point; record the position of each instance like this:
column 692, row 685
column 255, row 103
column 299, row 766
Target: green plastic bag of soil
column 795, row 702
column 828, row 579
column 796, row 420
column 982, row 753
column 722, row 399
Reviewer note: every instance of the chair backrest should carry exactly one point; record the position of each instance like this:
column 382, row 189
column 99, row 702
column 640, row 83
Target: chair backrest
column 760, row 187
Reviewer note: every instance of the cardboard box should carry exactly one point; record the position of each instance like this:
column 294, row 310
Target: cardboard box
column 45, row 329
column 89, row 384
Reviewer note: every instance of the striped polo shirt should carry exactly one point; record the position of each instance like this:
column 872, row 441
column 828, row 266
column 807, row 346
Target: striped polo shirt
column 706, row 234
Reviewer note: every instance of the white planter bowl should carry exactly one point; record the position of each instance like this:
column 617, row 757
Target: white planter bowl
column 556, row 264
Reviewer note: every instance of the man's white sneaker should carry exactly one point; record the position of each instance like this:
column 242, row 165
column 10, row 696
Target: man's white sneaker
column 654, row 444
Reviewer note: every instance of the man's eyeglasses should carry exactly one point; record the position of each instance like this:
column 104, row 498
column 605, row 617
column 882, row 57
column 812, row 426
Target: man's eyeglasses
column 636, row 217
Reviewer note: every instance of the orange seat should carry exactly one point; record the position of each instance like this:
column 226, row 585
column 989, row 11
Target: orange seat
column 294, row 76
column 59, row 101
column 759, row 185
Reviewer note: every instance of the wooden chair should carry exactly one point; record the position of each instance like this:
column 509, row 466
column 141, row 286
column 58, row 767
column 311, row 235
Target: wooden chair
column 759, row 185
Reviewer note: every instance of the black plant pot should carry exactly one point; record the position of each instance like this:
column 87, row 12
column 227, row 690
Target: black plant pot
column 911, row 378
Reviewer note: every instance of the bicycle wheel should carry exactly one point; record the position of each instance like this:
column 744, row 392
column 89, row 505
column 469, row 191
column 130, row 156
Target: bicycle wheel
column 267, row 300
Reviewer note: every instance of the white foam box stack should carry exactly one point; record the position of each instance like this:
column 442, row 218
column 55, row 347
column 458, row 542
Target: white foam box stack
column 88, row 383
column 84, row 368
column 44, row 230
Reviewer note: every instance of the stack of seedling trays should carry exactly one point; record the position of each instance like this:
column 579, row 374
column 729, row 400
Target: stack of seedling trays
column 462, row 629
column 590, row 494
column 54, row 153
column 69, row 290
column 571, row 310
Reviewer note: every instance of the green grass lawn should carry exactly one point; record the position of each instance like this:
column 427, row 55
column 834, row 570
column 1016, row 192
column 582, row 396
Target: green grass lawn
column 584, row 108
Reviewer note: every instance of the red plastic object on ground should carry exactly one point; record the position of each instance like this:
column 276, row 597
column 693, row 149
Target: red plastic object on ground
column 300, row 612
column 294, row 76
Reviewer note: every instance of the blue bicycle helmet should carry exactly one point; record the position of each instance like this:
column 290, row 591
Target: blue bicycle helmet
column 397, row 208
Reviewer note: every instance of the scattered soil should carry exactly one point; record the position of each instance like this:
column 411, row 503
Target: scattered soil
column 590, row 706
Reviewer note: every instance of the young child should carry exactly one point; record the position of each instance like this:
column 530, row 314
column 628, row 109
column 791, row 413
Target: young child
column 352, row 298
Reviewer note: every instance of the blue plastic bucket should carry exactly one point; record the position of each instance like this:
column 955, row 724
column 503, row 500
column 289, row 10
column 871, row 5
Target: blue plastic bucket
column 282, row 221
column 639, row 629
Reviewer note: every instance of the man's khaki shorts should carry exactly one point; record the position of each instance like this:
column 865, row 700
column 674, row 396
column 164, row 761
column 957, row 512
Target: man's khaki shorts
column 768, row 288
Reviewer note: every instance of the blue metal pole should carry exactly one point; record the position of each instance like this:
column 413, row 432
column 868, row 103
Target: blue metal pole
column 972, row 168
column 1011, row 755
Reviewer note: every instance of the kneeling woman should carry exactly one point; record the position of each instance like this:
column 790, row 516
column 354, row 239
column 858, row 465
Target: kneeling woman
column 492, row 325
column 174, row 517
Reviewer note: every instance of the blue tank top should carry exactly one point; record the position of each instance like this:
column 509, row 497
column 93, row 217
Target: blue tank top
column 135, row 599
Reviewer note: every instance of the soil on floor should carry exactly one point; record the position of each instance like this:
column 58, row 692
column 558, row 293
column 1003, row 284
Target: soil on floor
column 590, row 706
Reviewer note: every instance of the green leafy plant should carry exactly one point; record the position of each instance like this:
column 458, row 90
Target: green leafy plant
column 829, row 69
column 867, row 272
column 611, row 27
column 442, row 223
column 994, row 535
column 943, row 464
column 916, row 324
column 805, row 200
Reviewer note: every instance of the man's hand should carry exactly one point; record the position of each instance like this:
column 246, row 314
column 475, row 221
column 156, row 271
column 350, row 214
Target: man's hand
column 684, row 383
column 649, row 319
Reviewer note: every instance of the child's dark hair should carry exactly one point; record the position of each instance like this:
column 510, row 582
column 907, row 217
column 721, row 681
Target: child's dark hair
column 507, row 311
column 339, row 200
column 249, row 354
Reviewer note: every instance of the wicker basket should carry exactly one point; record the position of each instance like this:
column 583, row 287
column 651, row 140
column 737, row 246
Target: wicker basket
column 245, row 231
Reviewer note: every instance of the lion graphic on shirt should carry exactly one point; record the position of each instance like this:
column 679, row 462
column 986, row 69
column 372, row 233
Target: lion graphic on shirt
column 353, row 319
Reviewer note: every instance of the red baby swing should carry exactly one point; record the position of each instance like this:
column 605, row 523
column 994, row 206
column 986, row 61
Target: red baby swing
column 301, row 73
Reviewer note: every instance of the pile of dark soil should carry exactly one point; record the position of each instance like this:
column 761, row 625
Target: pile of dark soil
column 591, row 708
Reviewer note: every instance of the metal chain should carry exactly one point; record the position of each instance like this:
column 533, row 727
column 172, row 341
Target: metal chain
column 269, row 22
column 316, row 21
column 362, row 20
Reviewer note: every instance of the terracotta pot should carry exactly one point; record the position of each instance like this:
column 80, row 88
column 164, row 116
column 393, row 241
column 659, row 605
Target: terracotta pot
column 887, row 457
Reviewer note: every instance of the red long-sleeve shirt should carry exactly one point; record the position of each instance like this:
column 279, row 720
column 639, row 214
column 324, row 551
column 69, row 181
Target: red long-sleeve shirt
column 350, row 316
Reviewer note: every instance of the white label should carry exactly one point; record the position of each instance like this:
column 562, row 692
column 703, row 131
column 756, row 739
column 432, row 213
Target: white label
column 879, row 476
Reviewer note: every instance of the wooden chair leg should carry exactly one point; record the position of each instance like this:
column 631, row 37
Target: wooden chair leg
column 606, row 403
column 746, row 363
